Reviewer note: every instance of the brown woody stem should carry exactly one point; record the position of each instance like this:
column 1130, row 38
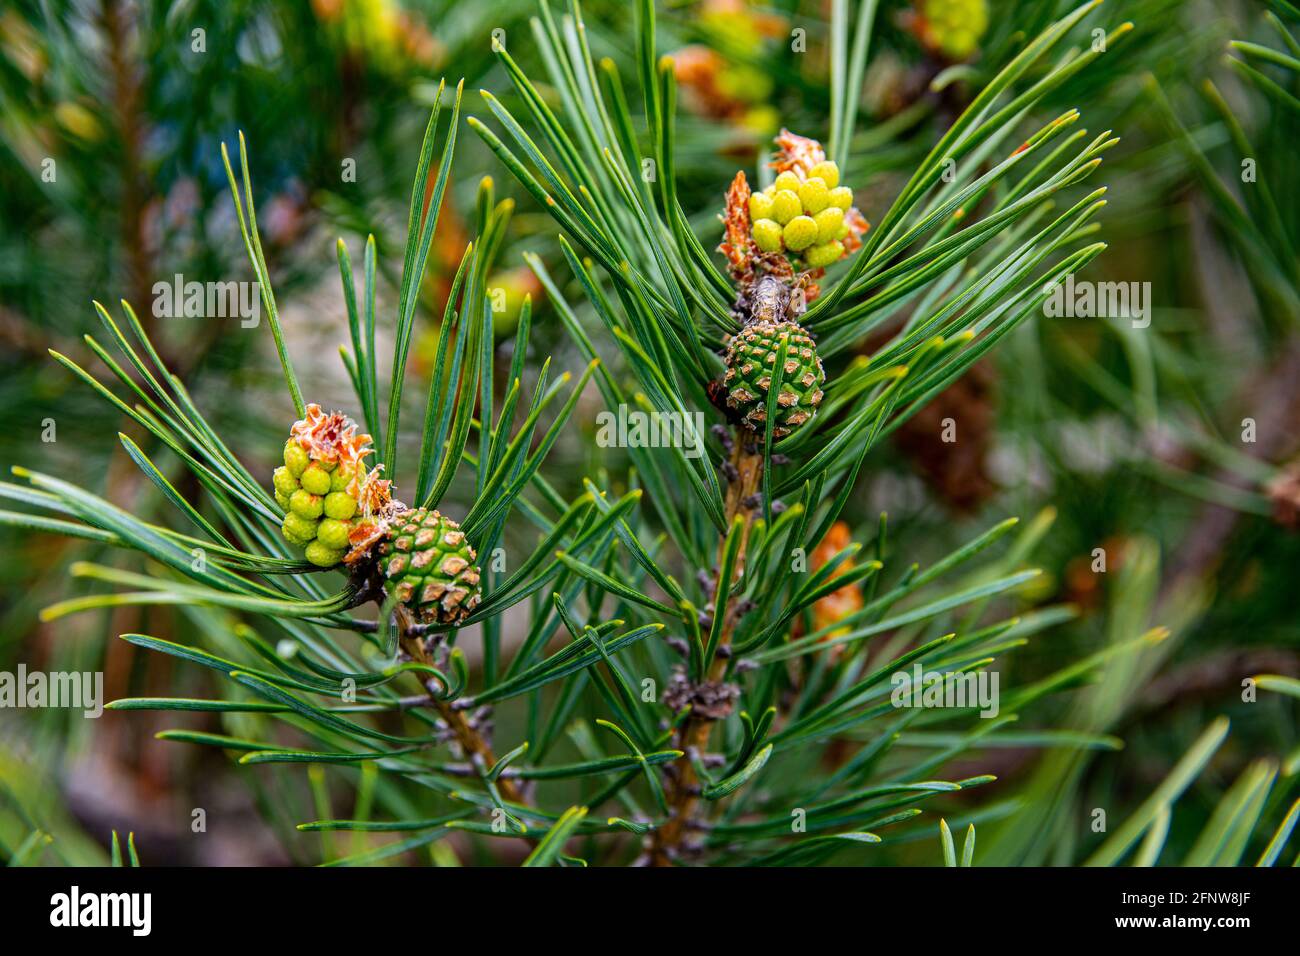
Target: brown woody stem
column 476, row 747
column 693, row 737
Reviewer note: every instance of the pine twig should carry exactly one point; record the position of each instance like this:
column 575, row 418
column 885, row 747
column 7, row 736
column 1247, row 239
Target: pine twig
column 746, row 472
column 471, row 740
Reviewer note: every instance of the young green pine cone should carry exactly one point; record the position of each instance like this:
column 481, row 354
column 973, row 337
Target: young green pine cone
column 429, row 566
column 319, row 485
column 751, row 360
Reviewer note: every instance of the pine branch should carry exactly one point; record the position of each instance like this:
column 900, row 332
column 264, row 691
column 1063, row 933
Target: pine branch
column 663, row 845
column 471, row 740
